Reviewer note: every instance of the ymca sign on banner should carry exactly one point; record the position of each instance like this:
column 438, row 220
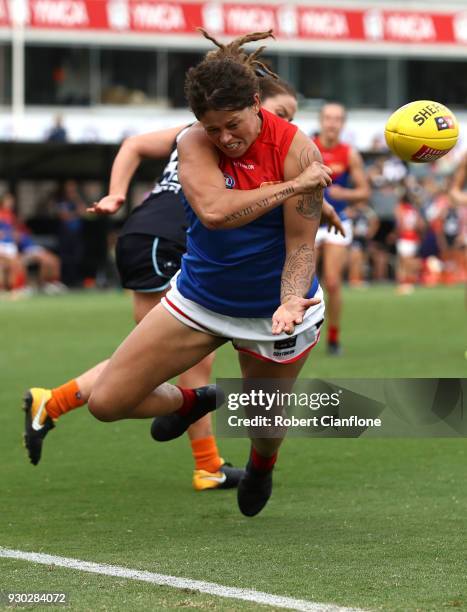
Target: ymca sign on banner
column 290, row 22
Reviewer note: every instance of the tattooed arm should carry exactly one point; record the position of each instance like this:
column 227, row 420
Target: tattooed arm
column 220, row 208
column 302, row 214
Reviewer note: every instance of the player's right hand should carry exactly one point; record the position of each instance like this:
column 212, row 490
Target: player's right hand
column 332, row 219
column 108, row 205
column 315, row 175
column 291, row 313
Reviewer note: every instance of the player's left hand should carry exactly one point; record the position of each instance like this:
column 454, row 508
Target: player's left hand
column 108, row 205
column 291, row 313
column 336, row 192
column 332, row 219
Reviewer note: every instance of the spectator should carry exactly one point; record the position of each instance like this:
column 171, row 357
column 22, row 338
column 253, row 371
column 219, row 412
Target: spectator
column 7, row 209
column 434, row 198
column 70, row 210
column 57, row 132
column 409, row 227
column 451, row 242
column 365, row 224
column 24, row 252
column 385, row 176
column 48, row 264
column 11, row 269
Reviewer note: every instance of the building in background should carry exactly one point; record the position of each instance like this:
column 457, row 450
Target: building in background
column 108, row 65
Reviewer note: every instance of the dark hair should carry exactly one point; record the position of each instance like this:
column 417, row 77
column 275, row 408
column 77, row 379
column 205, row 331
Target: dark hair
column 269, row 87
column 226, row 78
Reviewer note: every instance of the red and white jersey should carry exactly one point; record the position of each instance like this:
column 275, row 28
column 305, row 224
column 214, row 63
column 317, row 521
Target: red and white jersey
column 408, row 218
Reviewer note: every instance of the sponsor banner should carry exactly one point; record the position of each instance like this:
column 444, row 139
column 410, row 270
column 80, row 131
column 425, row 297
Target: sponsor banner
column 4, row 14
column 289, row 22
column 342, row 408
column 156, row 17
column 66, row 14
column 106, row 15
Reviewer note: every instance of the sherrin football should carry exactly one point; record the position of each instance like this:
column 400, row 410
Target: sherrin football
column 421, row 131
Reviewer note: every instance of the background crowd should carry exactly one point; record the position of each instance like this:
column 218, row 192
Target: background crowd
column 411, row 231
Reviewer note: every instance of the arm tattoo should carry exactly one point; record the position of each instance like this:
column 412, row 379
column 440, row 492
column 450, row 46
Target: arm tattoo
column 310, row 204
column 239, row 214
column 297, row 273
column 265, row 203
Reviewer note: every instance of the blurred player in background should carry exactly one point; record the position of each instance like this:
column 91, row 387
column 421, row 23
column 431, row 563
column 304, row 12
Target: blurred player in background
column 458, row 194
column 409, row 228
column 149, row 251
column 451, row 243
column 349, row 185
column 365, row 224
column 458, row 190
column 384, row 174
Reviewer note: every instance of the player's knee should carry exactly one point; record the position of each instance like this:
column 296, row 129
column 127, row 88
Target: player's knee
column 101, row 409
column 333, row 284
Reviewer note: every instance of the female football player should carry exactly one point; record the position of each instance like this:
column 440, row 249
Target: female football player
column 189, row 345
column 149, row 251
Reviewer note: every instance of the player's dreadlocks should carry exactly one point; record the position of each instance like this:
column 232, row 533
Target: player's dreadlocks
column 226, row 79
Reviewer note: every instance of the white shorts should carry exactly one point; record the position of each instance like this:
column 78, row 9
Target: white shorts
column 330, row 236
column 407, row 248
column 8, row 250
column 249, row 335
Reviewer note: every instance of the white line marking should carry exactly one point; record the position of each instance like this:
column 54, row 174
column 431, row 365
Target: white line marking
column 210, row 588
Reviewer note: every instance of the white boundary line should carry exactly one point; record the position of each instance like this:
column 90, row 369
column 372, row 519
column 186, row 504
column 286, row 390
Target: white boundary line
column 211, row 588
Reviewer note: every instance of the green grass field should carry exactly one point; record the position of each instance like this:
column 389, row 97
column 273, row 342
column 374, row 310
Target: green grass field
column 374, row 524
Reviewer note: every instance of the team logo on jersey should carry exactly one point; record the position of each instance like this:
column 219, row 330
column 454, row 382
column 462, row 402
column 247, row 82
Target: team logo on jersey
column 444, row 123
column 229, row 181
column 336, row 167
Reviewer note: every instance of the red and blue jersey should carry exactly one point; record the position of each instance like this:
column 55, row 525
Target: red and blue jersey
column 7, row 233
column 237, row 272
column 337, row 158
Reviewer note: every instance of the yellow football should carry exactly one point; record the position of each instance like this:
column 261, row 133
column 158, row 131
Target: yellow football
column 421, row 131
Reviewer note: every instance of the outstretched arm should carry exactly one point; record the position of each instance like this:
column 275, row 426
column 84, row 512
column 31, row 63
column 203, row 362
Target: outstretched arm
column 302, row 216
column 220, row 208
column 154, row 145
column 330, row 218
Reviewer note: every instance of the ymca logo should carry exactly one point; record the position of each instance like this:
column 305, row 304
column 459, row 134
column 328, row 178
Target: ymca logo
column 444, row 123
column 229, row 181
